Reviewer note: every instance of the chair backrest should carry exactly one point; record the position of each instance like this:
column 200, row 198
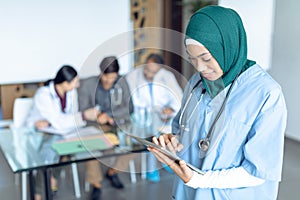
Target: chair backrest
column 21, row 110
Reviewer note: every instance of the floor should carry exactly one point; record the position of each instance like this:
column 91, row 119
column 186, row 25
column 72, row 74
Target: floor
column 9, row 190
column 289, row 187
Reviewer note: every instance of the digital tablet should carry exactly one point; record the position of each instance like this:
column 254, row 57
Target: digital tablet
column 165, row 151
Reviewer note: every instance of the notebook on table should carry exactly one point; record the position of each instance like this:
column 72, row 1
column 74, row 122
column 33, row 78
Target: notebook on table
column 74, row 132
column 82, row 144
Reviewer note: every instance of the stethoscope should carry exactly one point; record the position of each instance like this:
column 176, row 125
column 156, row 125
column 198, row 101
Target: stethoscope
column 204, row 143
column 116, row 94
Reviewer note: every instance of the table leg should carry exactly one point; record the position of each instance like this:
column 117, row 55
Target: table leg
column 76, row 180
column 24, row 185
column 31, row 184
column 47, row 174
column 143, row 165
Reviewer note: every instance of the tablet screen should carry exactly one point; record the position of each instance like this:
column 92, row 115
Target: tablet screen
column 164, row 151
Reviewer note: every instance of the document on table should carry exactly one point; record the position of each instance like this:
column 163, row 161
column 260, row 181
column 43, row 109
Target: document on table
column 70, row 133
column 82, row 144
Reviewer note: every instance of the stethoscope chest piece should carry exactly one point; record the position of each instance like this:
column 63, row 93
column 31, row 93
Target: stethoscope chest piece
column 203, row 144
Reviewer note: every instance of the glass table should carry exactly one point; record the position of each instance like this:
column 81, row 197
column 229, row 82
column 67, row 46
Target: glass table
column 26, row 150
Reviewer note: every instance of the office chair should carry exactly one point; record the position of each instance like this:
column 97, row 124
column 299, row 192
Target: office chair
column 21, row 110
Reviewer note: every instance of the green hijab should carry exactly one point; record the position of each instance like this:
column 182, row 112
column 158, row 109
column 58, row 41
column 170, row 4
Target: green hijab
column 222, row 32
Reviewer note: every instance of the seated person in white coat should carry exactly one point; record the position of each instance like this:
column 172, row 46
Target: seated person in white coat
column 56, row 102
column 156, row 89
column 54, row 106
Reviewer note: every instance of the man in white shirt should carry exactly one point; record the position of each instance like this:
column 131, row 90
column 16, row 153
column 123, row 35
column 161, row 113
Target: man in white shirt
column 156, row 90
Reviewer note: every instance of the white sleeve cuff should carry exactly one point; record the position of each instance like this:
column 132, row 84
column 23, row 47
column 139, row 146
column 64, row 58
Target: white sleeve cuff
column 79, row 120
column 221, row 179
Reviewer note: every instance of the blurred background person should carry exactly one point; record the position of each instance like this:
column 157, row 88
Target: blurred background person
column 54, row 106
column 109, row 93
column 154, row 92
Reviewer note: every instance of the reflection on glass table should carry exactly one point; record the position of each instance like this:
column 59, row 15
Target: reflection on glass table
column 26, row 150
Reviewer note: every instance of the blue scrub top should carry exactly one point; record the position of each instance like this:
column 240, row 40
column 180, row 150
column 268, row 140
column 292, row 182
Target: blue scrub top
column 249, row 133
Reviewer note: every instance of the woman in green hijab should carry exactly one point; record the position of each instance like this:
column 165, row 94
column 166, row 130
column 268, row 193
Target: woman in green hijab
column 231, row 111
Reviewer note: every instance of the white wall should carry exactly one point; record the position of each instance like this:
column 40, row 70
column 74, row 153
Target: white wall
column 258, row 19
column 273, row 32
column 286, row 60
column 38, row 37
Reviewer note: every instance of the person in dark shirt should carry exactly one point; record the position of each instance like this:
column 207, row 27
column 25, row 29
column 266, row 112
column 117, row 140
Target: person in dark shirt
column 109, row 93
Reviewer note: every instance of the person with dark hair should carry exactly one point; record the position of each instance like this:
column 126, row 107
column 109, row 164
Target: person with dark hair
column 109, row 93
column 232, row 119
column 55, row 105
column 156, row 58
column 109, row 64
column 97, row 90
column 155, row 90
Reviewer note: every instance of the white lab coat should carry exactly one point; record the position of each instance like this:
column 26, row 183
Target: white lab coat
column 47, row 106
column 166, row 90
